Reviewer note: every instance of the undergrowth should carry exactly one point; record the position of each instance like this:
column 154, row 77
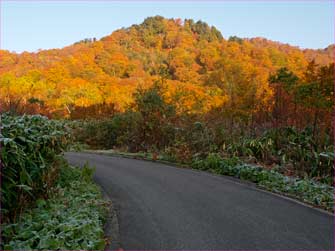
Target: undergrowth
column 71, row 219
column 307, row 190
column 304, row 189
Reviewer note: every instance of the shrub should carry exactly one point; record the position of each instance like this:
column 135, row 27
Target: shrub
column 288, row 146
column 30, row 146
column 72, row 219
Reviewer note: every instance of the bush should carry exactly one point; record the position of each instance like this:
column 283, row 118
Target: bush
column 30, row 146
column 72, row 219
column 147, row 126
column 288, row 146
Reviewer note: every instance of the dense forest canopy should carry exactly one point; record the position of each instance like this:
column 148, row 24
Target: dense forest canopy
column 200, row 70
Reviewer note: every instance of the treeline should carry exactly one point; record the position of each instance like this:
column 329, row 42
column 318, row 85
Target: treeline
column 202, row 71
column 295, row 135
column 177, row 86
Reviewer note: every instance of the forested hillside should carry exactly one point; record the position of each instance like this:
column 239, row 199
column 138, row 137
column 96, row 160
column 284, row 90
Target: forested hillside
column 200, row 70
column 178, row 87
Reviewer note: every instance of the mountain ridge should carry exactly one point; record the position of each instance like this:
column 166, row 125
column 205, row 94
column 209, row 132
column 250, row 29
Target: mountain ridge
column 330, row 46
column 193, row 58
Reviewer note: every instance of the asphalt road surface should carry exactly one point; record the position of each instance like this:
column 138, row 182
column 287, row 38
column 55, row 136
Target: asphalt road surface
column 165, row 207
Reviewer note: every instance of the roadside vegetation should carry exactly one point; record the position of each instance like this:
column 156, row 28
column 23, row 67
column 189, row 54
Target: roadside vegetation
column 152, row 125
column 170, row 89
column 307, row 190
column 282, row 153
column 46, row 204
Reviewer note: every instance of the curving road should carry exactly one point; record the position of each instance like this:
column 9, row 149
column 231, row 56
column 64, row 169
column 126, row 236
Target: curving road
column 164, row 207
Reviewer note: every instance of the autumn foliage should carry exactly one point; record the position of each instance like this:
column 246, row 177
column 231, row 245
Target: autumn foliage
column 179, row 86
column 202, row 71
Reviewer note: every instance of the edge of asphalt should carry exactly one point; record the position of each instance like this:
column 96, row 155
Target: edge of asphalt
column 230, row 178
column 111, row 226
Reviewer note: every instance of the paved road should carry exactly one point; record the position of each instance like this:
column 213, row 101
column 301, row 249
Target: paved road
column 164, row 207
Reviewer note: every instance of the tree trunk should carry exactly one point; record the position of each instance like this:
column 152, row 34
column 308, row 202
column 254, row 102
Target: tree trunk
column 316, row 116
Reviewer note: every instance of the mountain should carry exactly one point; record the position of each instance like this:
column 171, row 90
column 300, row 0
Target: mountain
column 200, row 69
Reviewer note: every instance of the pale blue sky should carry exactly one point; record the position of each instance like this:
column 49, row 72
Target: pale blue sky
column 32, row 25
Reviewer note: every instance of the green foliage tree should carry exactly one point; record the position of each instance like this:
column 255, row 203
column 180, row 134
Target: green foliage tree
column 284, row 83
column 154, row 129
column 284, row 77
column 203, row 30
column 317, row 94
column 235, row 39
